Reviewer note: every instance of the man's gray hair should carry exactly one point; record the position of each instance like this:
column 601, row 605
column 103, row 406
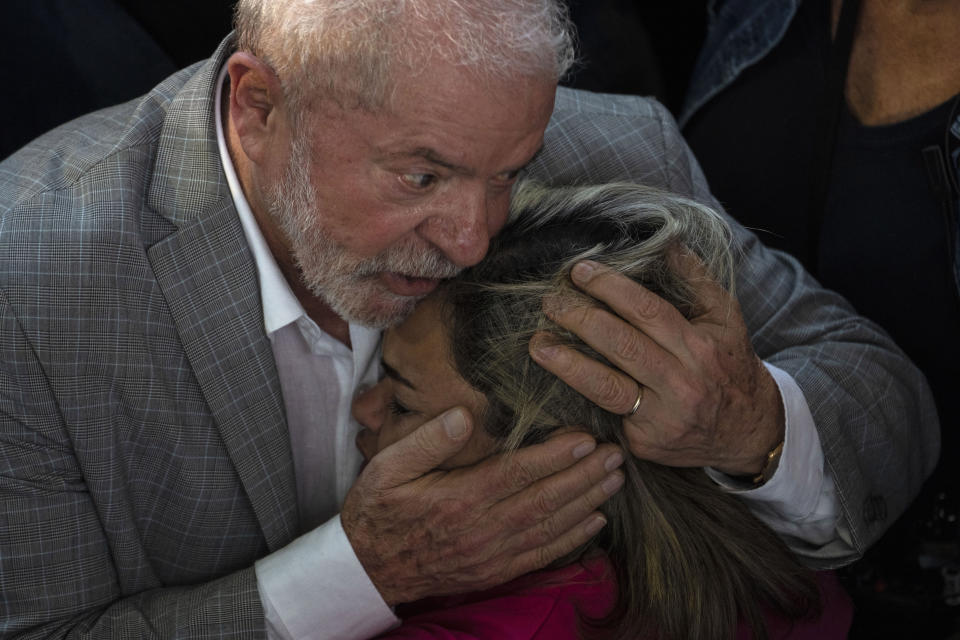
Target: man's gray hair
column 351, row 50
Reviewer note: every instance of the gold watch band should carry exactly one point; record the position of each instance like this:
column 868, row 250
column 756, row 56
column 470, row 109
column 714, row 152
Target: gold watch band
column 773, row 458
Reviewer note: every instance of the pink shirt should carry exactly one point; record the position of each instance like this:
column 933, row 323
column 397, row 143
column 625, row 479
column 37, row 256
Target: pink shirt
column 544, row 606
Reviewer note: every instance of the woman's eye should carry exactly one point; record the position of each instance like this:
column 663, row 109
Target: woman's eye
column 418, row 180
column 397, row 409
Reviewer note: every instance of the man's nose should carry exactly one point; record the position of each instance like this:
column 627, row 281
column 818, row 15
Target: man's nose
column 463, row 227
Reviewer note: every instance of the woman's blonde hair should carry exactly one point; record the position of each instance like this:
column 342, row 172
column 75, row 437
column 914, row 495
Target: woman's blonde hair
column 691, row 560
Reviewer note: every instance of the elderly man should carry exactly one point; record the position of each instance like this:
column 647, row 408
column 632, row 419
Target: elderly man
column 190, row 288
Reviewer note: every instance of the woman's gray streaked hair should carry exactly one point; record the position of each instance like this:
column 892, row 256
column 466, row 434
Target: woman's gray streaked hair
column 690, row 559
column 351, row 50
column 629, row 228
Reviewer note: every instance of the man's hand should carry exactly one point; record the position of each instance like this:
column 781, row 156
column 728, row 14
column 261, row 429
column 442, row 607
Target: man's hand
column 707, row 398
column 420, row 532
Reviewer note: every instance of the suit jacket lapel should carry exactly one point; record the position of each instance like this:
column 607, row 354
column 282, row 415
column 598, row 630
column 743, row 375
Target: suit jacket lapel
column 209, row 279
column 210, row 283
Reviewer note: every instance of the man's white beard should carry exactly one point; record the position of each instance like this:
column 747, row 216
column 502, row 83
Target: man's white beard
column 347, row 284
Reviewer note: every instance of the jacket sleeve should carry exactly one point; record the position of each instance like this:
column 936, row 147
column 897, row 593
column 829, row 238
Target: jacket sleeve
column 873, row 410
column 62, row 573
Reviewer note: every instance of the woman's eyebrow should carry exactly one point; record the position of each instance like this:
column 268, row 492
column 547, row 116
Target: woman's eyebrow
column 392, row 373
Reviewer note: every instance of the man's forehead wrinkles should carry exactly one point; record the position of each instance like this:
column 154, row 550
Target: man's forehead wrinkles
column 433, row 156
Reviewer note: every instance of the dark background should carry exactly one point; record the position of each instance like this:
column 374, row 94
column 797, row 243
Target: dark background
column 63, row 58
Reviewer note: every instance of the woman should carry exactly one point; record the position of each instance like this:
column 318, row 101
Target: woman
column 679, row 558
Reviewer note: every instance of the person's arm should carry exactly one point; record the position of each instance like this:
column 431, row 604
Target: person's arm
column 874, row 414
column 871, row 406
column 799, row 500
column 61, row 573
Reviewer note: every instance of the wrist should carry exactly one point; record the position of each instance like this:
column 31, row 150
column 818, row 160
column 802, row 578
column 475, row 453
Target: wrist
column 760, row 447
column 770, row 465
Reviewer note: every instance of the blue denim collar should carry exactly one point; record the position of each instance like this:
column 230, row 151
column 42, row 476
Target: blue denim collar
column 739, row 34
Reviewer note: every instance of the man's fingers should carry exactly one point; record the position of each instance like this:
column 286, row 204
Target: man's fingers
column 423, row 450
column 545, row 532
column 539, row 526
column 608, row 388
column 546, row 497
column 636, row 304
column 517, row 470
column 628, row 348
column 574, row 538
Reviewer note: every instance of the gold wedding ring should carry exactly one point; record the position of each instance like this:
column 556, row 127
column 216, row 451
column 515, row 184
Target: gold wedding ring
column 636, row 405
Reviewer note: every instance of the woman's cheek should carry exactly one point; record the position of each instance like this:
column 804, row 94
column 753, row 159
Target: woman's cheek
column 396, row 430
column 368, row 443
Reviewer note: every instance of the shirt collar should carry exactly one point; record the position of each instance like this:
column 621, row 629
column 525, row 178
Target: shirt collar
column 280, row 305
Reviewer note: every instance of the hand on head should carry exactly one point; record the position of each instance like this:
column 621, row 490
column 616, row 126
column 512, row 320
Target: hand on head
column 707, row 398
column 421, row 531
column 433, row 513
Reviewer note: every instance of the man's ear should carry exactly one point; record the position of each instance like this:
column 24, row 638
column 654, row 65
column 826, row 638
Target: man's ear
column 255, row 100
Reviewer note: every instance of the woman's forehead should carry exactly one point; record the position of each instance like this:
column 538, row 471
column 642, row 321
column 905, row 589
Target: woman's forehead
column 420, row 342
column 418, row 351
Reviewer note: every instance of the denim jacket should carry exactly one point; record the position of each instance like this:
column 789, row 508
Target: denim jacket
column 742, row 32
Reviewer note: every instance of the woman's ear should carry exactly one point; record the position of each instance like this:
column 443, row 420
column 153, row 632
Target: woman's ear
column 256, row 97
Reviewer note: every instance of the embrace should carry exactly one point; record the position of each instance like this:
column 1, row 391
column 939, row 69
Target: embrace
column 193, row 287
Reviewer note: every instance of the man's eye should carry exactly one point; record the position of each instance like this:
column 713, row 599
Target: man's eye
column 507, row 178
column 397, row 409
column 418, row 180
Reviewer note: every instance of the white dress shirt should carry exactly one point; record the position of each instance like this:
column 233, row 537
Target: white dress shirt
column 315, row 587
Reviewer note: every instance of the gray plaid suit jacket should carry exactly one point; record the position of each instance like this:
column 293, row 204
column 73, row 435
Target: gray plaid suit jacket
column 144, row 455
